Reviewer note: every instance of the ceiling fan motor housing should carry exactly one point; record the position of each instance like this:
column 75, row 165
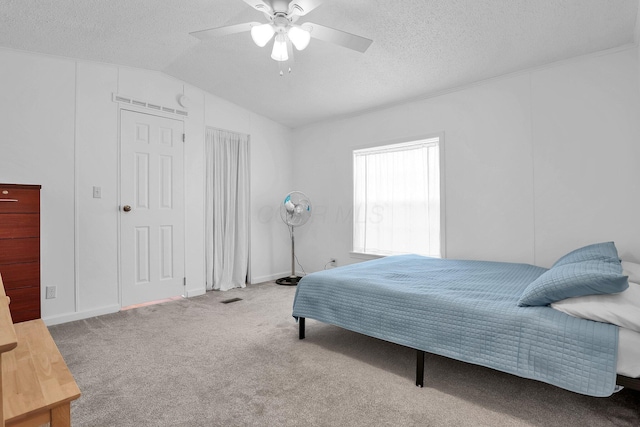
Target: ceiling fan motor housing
column 279, row 6
column 281, row 22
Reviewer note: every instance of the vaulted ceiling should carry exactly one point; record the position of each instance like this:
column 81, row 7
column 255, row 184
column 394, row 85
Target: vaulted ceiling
column 420, row 47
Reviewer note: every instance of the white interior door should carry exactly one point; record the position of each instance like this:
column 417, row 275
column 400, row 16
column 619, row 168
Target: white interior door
column 151, row 207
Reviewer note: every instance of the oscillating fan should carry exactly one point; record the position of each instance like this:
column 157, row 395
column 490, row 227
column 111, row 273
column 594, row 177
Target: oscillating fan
column 295, row 211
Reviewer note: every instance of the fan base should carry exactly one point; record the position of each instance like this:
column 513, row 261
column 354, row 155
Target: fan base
column 288, row 281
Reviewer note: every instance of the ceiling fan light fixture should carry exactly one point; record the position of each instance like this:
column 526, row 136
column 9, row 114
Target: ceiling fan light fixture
column 261, row 34
column 279, row 52
column 299, row 36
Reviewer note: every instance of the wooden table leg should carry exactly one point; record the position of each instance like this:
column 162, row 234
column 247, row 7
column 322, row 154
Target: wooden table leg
column 61, row 415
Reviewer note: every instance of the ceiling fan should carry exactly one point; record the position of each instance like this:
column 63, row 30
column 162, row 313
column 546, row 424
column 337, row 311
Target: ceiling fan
column 282, row 16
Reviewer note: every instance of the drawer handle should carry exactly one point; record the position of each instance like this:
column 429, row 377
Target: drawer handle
column 8, row 200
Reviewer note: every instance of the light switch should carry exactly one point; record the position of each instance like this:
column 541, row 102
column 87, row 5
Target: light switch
column 97, row 192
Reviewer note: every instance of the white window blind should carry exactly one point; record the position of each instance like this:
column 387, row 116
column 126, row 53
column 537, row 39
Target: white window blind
column 397, row 199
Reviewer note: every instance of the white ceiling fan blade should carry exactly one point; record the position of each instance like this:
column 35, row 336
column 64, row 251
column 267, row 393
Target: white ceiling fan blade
column 342, row 38
column 302, row 7
column 223, row 31
column 259, row 5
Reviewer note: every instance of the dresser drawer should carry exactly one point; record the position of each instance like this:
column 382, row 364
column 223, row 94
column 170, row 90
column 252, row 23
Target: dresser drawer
column 15, row 225
column 24, row 315
column 17, row 251
column 25, row 303
column 20, row 275
column 15, row 199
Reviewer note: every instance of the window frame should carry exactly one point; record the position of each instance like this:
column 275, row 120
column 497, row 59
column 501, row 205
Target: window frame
column 441, row 151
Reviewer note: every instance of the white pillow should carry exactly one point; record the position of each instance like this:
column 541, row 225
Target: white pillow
column 622, row 309
column 632, row 270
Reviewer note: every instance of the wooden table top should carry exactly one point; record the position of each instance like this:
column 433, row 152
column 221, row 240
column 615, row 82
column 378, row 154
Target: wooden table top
column 35, row 377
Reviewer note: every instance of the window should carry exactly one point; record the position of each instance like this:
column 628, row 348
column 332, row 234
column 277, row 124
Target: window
column 396, row 201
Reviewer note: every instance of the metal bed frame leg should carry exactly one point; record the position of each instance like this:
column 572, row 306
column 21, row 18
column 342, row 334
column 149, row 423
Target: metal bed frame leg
column 420, row 368
column 419, row 355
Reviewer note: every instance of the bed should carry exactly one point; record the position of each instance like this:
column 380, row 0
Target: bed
column 492, row 314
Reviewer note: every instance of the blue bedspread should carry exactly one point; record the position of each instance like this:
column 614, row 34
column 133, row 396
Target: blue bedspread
column 466, row 310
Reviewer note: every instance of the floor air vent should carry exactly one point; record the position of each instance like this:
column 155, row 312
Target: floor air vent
column 227, row 301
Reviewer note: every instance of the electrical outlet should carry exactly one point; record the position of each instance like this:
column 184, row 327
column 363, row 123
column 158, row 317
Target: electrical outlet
column 97, row 192
column 51, row 292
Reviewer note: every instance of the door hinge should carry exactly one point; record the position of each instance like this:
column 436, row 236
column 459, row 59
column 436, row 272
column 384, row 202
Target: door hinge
column 184, row 137
column 184, row 282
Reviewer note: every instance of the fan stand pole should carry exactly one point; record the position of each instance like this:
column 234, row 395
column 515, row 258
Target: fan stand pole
column 293, row 256
column 292, row 280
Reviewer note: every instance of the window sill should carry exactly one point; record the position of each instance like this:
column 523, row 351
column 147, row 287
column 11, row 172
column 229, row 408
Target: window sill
column 363, row 256
column 360, row 255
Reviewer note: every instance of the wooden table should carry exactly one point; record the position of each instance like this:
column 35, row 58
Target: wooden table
column 37, row 387
column 8, row 339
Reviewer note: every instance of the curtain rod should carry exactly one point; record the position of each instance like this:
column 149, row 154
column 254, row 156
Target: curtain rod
column 227, row 130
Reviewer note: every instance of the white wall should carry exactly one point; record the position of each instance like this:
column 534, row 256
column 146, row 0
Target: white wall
column 271, row 180
column 96, row 163
column 61, row 131
column 37, row 147
column 586, row 154
column 536, row 163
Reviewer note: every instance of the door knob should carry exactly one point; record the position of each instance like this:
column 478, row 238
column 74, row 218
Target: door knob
column 126, row 208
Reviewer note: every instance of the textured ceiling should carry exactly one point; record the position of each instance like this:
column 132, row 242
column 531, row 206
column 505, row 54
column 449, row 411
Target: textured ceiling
column 419, row 47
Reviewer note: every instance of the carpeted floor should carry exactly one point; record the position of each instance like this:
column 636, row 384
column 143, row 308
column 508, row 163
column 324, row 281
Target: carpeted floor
column 198, row 362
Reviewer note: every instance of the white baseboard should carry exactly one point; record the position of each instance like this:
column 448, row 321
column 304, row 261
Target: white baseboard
column 269, row 278
column 70, row 317
column 195, row 292
column 80, row 315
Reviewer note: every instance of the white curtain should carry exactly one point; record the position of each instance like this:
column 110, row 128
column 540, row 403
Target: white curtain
column 226, row 209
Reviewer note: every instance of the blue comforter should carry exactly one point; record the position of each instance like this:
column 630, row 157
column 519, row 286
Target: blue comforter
column 466, row 310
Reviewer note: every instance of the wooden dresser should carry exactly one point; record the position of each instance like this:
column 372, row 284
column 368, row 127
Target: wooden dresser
column 20, row 248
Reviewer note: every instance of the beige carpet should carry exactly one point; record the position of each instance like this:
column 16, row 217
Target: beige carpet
column 198, row 362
